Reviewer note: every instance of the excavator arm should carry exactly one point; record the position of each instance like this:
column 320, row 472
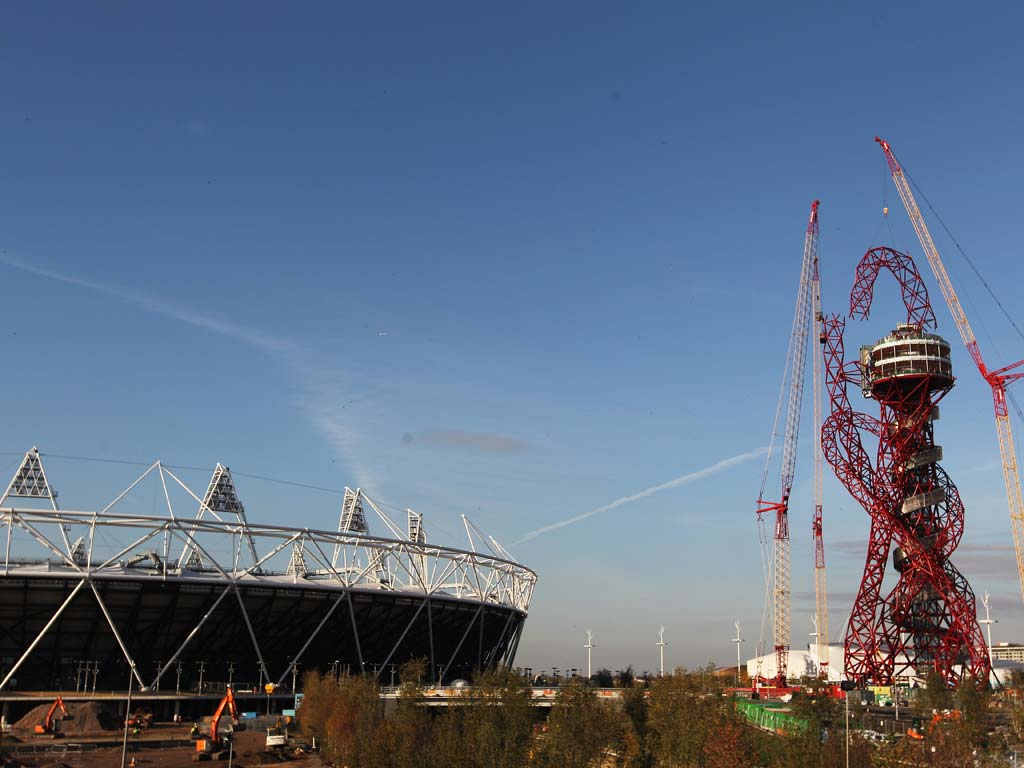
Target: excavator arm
column 228, row 703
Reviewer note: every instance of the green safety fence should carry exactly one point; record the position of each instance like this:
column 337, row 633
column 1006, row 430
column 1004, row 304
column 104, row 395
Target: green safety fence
column 771, row 716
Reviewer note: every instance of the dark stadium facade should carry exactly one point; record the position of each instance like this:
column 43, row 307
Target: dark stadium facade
column 183, row 604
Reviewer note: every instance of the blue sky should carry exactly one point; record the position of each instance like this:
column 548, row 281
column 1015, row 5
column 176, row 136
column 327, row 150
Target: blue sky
column 513, row 262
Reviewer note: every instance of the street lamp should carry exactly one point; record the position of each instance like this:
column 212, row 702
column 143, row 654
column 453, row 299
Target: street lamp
column 847, row 686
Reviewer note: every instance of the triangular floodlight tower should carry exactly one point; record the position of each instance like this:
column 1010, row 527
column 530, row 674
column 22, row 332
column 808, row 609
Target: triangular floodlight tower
column 221, row 498
column 30, row 482
column 297, row 566
column 417, row 535
column 351, row 520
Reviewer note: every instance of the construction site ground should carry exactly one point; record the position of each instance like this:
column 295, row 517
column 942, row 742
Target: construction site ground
column 161, row 746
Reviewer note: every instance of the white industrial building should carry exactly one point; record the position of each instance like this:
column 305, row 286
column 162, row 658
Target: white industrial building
column 801, row 663
column 806, row 663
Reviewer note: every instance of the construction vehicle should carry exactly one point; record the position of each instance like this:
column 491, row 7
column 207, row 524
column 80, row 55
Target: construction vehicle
column 277, row 737
column 917, row 730
column 51, row 726
column 213, row 747
column 141, row 719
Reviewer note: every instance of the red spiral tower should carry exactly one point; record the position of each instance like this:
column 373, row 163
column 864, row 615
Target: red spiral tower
column 928, row 619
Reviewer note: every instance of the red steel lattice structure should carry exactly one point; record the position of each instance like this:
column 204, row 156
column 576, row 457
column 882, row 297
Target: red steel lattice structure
column 928, row 619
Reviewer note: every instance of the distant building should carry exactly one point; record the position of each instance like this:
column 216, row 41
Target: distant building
column 1007, row 657
column 800, row 663
column 1008, row 652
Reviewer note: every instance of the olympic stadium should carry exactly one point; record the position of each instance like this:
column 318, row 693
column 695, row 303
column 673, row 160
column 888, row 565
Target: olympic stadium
column 182, row 603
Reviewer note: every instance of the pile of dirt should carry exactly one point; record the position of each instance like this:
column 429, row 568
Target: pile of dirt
column 88, row 717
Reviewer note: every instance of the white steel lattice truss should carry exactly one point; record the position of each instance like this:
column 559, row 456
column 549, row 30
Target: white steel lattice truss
column 238, row 553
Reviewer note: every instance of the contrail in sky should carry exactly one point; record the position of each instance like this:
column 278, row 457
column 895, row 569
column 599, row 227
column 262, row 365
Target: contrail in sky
column 686, row 479
column 323, row 388
column 159, row 306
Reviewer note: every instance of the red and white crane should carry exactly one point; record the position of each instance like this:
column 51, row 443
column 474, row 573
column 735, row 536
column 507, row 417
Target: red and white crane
column 820, row 586
column 997, row 380
column 793, row 384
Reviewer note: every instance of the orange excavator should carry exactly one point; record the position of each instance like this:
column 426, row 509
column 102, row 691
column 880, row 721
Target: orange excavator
column 50, row 725
column 209, row 748
column 917, row 731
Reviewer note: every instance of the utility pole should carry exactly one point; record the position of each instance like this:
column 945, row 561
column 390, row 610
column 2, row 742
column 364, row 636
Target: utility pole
column 846, row 686
column 127, row 715
column 661, row 651
column 589, row 646
column 738, row 640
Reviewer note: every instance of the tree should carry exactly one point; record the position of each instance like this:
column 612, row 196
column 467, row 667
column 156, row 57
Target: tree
column 933, row 694
column 353, row 728
column 974, row 701
column 497, row 724
column 580, row 727
column 408, row 733
column 636, row 753
column 680, row 719
column 624, row 677
column 319, row 697
column 730, row 747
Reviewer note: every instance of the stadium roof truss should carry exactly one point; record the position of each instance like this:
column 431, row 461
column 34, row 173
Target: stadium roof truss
column 218, row 544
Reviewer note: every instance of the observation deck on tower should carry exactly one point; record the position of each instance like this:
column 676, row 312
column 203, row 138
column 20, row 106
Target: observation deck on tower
column 904, row 360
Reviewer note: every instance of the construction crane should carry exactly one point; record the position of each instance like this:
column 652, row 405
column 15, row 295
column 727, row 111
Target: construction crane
column 820, row 586
column 793, row 376
column 997, row 379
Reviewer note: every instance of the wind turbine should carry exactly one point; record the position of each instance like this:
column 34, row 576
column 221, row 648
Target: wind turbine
column 661, row 650
column 589, row 646
column 738, row 640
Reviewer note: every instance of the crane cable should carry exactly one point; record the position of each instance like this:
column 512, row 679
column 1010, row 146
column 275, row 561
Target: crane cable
column 974, row 268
